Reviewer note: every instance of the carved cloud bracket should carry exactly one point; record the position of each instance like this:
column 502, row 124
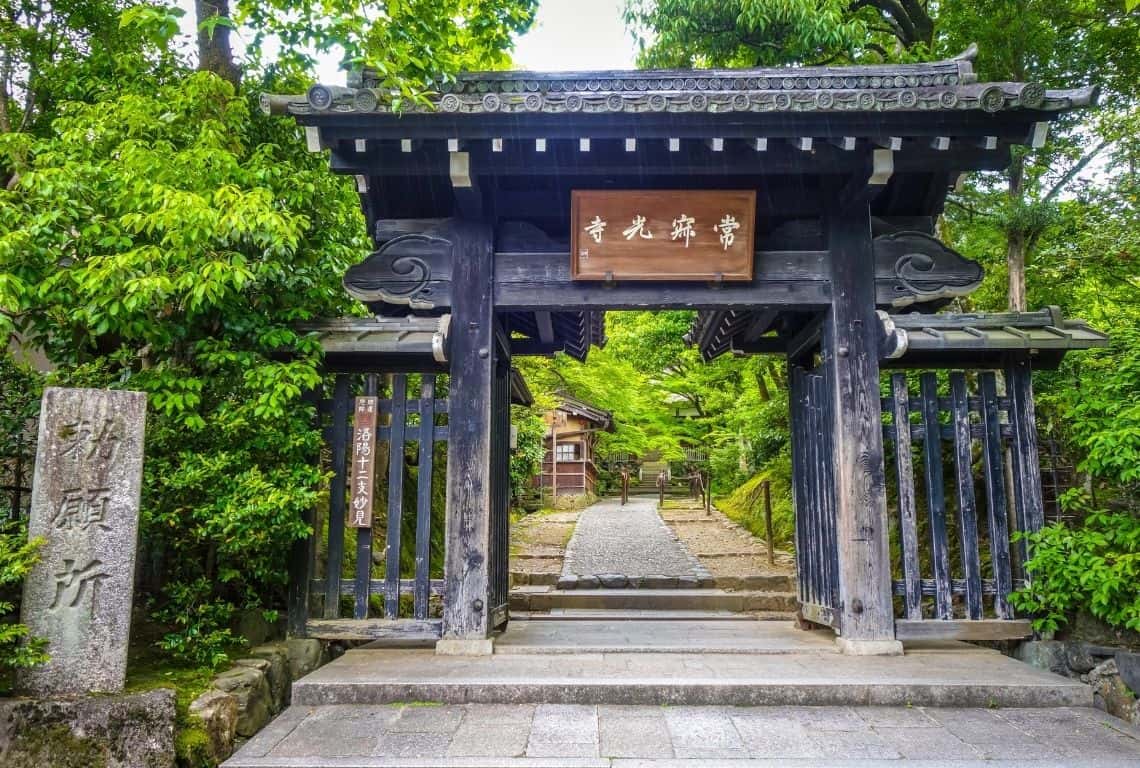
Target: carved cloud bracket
column 412, row 270
column 922, row 269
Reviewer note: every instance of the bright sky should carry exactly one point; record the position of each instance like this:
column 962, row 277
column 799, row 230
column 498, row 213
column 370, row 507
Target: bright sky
column 576, row 34
column 567, row 34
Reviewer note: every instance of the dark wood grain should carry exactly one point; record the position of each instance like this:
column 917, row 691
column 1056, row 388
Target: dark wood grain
column 851, row 348
column 465, row 612
column 936, row 496
column 997, row 499
column 908, row 521
column 425, row 466
column 967, row 504
column 337, row 493
column 395, row 495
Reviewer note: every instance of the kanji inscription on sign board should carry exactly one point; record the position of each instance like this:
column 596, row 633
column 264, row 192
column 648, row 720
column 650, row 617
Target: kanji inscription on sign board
column 363, row 463
column 662, row 235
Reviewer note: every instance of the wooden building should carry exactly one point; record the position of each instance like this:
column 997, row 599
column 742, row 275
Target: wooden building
column 570, row 465
column 796, row 208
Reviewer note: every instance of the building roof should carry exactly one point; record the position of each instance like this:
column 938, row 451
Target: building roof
column 576, row 407
column 949, row 85
column 509, row 148
column 920, row 340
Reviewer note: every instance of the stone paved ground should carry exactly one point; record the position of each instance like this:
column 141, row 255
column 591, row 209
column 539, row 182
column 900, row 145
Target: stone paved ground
column 632, row 540
column 588, row 735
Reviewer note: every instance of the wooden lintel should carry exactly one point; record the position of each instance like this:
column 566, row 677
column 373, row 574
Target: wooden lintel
column 538, row 281
column 964, row 629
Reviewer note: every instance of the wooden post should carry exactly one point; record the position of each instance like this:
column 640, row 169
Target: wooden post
column 337, row 496
column 466, row 616
column 708, row 492
column 1026, row 465
column 850, row 343
column 767, row 486
column 304, row 551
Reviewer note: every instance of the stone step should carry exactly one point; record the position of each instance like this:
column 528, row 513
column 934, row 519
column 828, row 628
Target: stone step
column 809, row 673
column 760, row 583
column 547, row 599
column 612, row 615
column 643, row 634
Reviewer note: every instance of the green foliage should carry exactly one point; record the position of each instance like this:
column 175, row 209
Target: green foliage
column 526, row 459
column 169, row 243
column 1094, row 566
column 1103, row 414
column 410, row 44
column 745, row 505
column 17, row 556
column 748, row 33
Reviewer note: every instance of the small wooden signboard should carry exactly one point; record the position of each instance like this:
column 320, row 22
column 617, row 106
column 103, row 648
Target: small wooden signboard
column 662, row 235
column 363, row 463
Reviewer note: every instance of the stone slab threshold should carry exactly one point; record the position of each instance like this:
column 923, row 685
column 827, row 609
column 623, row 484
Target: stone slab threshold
column 601, row 635
column 941, row 675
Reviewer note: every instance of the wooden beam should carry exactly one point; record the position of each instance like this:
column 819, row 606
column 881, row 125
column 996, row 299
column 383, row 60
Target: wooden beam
column 374, row 629
column 861, row 524
column 465, row 613
column 964, row 629
column 533, row 282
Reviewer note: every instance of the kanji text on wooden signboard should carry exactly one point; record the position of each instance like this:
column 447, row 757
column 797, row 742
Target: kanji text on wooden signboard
column 662, row 235
column 363, row 463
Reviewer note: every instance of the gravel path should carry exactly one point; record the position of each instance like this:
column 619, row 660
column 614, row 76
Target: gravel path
column 632, row 540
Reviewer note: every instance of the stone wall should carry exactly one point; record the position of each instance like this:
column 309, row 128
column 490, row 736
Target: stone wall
column 1114, row 674
column 106, row 731
column 246, row 697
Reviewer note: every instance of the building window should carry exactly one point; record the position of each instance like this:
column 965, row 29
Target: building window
column 569, row 452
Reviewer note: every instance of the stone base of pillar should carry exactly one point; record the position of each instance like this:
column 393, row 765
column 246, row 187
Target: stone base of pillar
column 869, row 647
column 465, row 646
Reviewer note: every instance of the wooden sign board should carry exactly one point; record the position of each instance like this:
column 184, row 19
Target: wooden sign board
column 662, row 235
column 363, row 463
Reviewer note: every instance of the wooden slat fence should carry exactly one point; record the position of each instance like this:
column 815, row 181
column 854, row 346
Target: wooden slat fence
column 813, row 489
column 965, row 477
column 498, row 584
column 410, row 426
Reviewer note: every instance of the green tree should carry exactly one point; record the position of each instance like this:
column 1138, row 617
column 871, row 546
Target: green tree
column 749, row 33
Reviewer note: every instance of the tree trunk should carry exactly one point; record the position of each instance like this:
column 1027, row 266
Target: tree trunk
column 1015, row 250
column 1015, row 262
column 214, row 52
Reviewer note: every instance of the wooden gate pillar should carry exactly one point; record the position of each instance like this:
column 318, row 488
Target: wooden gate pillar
column 850, row 346
column 466, row 615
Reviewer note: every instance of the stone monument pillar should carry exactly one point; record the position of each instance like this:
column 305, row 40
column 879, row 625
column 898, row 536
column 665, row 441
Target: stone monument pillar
column 85, row 505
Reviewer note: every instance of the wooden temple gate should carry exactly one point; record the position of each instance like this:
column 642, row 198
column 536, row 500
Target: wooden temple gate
column 489, row 210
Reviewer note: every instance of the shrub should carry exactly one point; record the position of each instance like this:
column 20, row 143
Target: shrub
column 1095, row 566
column 17, row 556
